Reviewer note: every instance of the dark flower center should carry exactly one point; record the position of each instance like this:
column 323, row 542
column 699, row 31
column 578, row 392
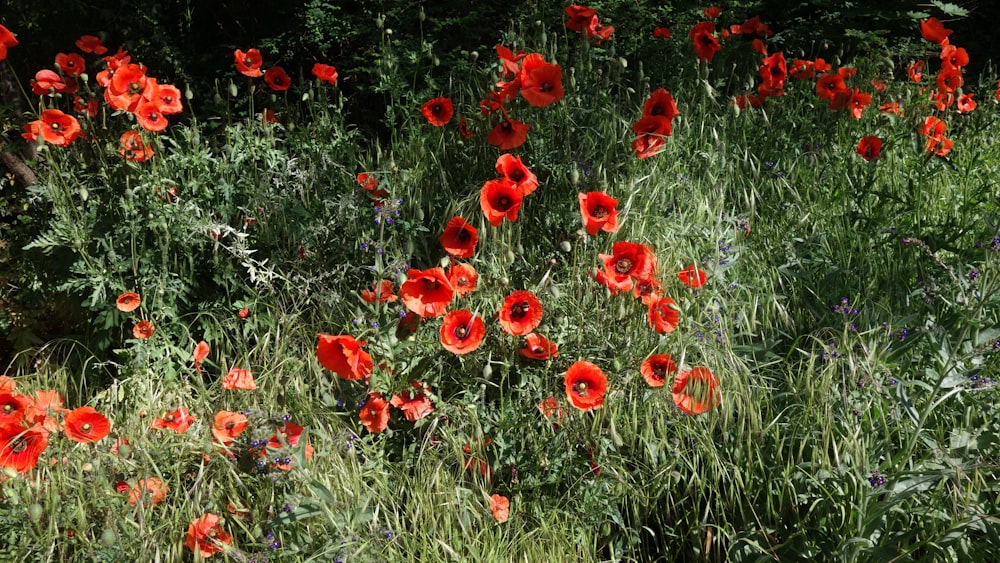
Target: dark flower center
column 19, row 445
column 659, row 371
column 599, row 212
column 437, row 109
column 55, row 126
column 230, row 425
column 430, row 284
column 516, row 175
column 503, row 203
column 580, row 388
column 86, row 427
column 545, row 87
column 169, row 418
column 623, row 266
column 135, row 88
column 520, row 310
column 464, row 235
column 8, row 408
column 461, row 331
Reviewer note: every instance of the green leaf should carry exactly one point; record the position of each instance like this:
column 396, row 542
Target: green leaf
column 951, row 9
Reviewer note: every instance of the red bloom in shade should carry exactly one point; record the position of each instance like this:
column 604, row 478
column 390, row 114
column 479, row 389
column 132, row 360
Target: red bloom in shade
column 514, row 170
column 498, row 199
column 206, row 537
column 744, row 101
column 598, row 212
column 367, row 181
column 579, row 16
column 13, row 408
column 7, row 40
column 660, row 102
column 508, row 134
column 773, row 71
column 758, row 45
column 201, row 351
column 71, row 64
column 143, row 330
column 132, row 147
column 167, row 98
column 966, row 103
column 91, row 44
column 86, row 425
column 950, row 79
column 463, row 278
column 81, row 106
column 802, row 69
column 696, row 391
column 649, row 291
column 521, row 313
column 47, row 82
column 629, row 260
column 870, row 147
column 933, row 127
column 43, row 410
column 541, row 82
column 712, row 12
column 857, row 103
column 954, row 57
column 438, row 111
column 239, row 378
column 459, row 238
column 500, row 507
column 129, row 85
column 277, row 78
column 664, row 315
column 54, row 127
column 652, row 131
column 942, row 99
column 326, row 73
column 462, row 332
column 892, row 107
column 288, row 435
column 692, row 276
column 128, row 302
column 21, row 448
column 611, row 283
column 375, row 413
column 248, row 63
column 178, row 420
column 656, row 368
column 415, row 405
column 152, row 489
column 426, row 292
column 7, row 385
column 228, row 426
column 343, row 355
column 913, row 71
column 383, row 293
column 705, row 44
column 537, row 347
column 585, row 386
column 463, row 128
column 831, row 85
column 149, row 117
column 510, row 65
column 661, row 32
column 550, row 408
column 934, row 31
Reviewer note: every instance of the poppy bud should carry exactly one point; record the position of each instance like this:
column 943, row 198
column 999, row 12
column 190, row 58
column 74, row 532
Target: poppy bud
column 188, row 93
column 87, row 467
column 474, row 56
column 35, row 512
column 566, row 246
column 623, row 62
column 487, row 371
column 436, row 61
column 379, row 21
column 421, row 16
column 574, row 176
column 305, row 97
column 124, row 450
column 84, row 193
column 108, row 537
column 233, row 90
column 511, row 256
column 445, row 261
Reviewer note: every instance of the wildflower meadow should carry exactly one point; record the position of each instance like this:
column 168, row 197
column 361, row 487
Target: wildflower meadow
column 691, row 290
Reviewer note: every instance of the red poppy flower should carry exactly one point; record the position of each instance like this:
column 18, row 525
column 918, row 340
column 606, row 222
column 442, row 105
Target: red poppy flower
column 367, row 181
column 7, row 40
column 239, row 378
column 201, row 351
column 508, row 134
column 692, row 276
column 167, row 98
column 933, row 127
column 132, row 147
column 47, row 83
column 375, row 414
column 462, row 332
column 648, row 291
column 870, row 147
column 86, row 425
column 248, row 64
column 277, row 78
column 244, row 312
column 598, row 212
column 343, row 355
column 7, row 385
column 128, row 302
column 652, row 132
column 151, row 489
column 537, row 347
column 129, row 84
column 942, row 99
column 712, row 12
column 463, row 128
column 290, row 434
column 143, row 330
column 177, row 420
column 831, row 85
column 656, row 368
column 696, row 391
column 54, row 127
column 438, row 111
column 21, row 448
column 616, row 286
column 206, row 537
column 514, row 170
column 149, row 117
column 13, row 408
column 664, row 315
column 415, row 405
column 660, row 102
column 950, row 79
column 703, row 38
column 84, row 107
column 661, row 32
column 550, row 409
column 463, row 278
column 541, row 82
column 91, row 44
column 500, row 507
column 585, row 386
column 510, row 64
column 228, row 426
column 965, row 103
column 629, row 260
column 802, row 69
column 325, row 73
column 426, row 292
column 71, row 64
column 459, row 238
column 383, row 293
column 498, row 199
column 521, row 313
column 47, row 404
column 934, row 31
column 773, row 71
column 579, row 16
